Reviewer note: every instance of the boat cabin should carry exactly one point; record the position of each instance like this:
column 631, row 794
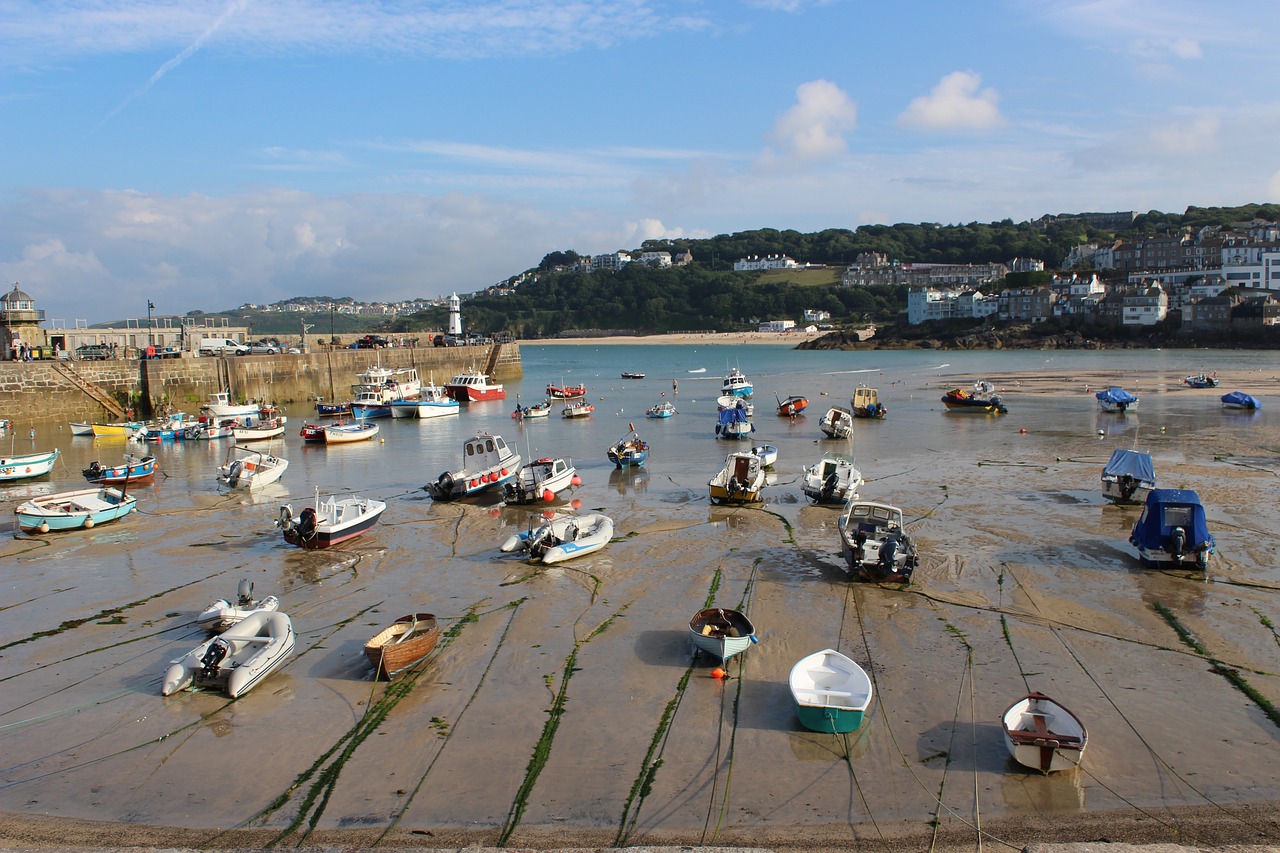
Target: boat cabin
column 485, row 451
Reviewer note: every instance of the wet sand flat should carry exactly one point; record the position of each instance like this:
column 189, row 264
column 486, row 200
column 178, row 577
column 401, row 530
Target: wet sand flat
column 563, row 707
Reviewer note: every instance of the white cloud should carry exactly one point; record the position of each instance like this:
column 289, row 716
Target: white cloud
column 814, row 128
column 1192, row 135
column 954, row 104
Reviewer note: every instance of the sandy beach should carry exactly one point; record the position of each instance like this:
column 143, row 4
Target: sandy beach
column 563, row 708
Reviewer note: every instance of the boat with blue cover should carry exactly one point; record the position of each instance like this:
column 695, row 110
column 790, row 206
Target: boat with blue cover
column 1240, row 400
column 1172, row 530
column 1116, row 400
column 1128, row 477
column 734, row 423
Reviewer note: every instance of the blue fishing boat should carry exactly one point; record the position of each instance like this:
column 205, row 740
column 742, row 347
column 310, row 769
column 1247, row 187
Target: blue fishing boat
column 1240, row 400
column 665, row 409
column 630, row 451
column 831, row 692
column 1116, row 400
column 72, row 510
column 1201, row 380
column 1172, row 529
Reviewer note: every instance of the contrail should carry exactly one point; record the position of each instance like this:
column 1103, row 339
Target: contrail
column 232, row 7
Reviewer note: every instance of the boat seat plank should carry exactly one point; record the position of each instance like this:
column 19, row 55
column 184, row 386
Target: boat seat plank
column 92, row 504
column 1037, row 737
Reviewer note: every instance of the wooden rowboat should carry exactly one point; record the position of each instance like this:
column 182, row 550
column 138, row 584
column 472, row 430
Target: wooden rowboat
column 1043, row 735
column 409, row 639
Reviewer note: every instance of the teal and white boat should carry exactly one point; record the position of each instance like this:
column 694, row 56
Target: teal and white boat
column 831, row 692
column 27, row 466
column 72, row 510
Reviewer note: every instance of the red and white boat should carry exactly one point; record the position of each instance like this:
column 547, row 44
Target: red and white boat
column 566, row 392
column 474, row 387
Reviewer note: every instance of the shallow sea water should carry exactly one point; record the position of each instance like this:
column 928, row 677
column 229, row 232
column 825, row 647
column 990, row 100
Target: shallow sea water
column 1027, row 582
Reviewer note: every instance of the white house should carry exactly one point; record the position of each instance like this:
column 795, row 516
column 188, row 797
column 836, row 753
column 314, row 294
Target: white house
column 1146, row 308
column 661, row 260
column 612, row 261
column 768, row 262
column 813, row 315
column 777, row 325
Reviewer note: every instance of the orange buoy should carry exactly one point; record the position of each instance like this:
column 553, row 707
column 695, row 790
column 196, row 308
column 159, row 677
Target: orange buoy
column 473, row 483
column 1023, row 431
column 505, row 472
column 576, row 503
column 719, row 672
column 577, row 481
column 548, row 496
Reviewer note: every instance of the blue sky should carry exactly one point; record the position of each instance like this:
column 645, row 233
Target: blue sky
column 206, row 154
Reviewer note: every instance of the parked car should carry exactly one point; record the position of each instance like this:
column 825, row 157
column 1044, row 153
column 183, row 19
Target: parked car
column 371, row 342
column 93, row 352
column 263, row 348
column 222, row 346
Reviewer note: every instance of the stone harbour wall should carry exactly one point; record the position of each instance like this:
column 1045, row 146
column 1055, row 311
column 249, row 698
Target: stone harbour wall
column 37, row 392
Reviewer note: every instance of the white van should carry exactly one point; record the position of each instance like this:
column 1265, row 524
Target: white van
column 222, row 346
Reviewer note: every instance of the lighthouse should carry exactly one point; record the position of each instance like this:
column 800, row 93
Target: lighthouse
column 455, row 314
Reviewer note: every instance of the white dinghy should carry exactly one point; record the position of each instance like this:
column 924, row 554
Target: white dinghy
column 222, row 614
column 562, row 537
column 237, row 659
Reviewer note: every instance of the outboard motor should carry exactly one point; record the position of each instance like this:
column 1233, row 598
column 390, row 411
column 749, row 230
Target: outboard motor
column 213, row 656
column 829, row 486
column 307, row 523
column 1178, row 543
column 244, row 594
column 887, row 552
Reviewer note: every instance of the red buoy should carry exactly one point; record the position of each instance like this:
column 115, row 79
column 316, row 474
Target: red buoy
column 548, row 496
column 577, row 481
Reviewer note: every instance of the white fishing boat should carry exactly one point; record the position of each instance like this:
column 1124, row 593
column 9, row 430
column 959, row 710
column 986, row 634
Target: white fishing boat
column 578, row 408
column 260, row 429
column 221, row 406
column 532, row 411
column 238, row 659
column 432, row 402
column 562, row 537
column 222, row 614
column 80, row 428
column 728, row 401
column 250, row 469
column 85, row 508
column 875, row 543
column 488, row 462
column 345, row 433
column 329, row 522
column 833, row 479
column 665, row 409
column 768, row 454
column 837, row 422
column 736, row 384
column 27, row 465
column 831, row 692
column 540, row 480
column 1043, row 735
column 740, row 481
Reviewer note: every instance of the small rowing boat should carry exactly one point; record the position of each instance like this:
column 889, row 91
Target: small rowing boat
column 408, row 640
column 1043, row 735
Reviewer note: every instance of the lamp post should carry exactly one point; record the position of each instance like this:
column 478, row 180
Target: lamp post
column 150, row 305
column 331, row 306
